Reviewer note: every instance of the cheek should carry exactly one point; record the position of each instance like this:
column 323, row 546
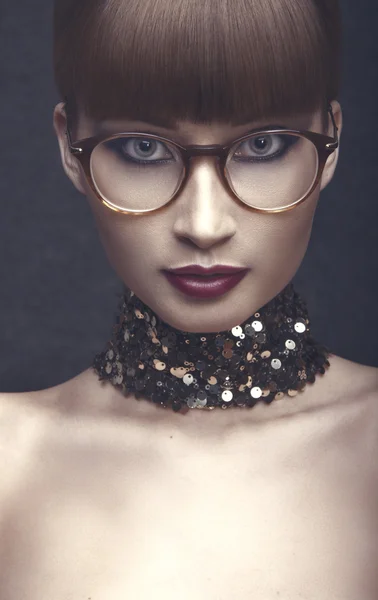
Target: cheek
column 280, row 241
column 131, row 244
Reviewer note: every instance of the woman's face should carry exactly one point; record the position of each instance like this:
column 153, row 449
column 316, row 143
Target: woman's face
column 204, row 226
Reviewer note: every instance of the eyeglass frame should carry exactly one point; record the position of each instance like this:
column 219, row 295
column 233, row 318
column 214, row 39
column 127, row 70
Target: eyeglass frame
column 83, row 149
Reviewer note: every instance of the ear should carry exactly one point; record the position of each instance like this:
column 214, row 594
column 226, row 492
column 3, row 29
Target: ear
column 70, row 163
column 331, row 163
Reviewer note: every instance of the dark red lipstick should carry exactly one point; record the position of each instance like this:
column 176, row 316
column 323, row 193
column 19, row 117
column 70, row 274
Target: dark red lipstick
column 202, row 282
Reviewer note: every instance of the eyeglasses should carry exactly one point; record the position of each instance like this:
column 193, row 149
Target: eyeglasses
column 270, row 170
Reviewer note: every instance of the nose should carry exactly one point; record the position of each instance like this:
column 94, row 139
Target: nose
column 204, row 209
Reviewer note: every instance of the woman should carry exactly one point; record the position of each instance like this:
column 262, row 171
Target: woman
column 213, row 449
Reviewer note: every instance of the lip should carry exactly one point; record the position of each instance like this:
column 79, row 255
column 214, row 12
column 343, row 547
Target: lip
column 206, row 283
column 214, row 270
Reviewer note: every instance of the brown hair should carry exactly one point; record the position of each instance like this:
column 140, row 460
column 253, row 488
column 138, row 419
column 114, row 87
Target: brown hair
column 201, row 60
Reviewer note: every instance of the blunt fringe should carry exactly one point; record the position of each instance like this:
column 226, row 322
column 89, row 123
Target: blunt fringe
column 202, row 60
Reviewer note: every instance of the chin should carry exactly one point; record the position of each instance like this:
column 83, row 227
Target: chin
column 199, row 316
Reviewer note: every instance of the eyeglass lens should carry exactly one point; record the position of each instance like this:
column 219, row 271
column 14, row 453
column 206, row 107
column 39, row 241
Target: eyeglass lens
column 265, row 171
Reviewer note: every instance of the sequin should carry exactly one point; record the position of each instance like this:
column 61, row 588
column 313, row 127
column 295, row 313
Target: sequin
column 155, row 358
column 276, row 363
column 179, row 372
column 192, row 403
column 159, row 365
column 236, row 331
column 188, row 379
column 300, row 327
column 202, row 403
column 257, row 326
column 290, row 344
column 227, row 396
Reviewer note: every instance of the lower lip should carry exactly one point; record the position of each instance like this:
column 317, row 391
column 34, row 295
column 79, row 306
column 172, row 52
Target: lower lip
column 205, row 287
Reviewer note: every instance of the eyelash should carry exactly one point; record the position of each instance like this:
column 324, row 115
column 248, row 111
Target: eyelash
column 288, row 141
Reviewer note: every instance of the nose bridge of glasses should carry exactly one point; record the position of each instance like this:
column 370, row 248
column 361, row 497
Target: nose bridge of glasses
column 195, row 154
column 215, row 150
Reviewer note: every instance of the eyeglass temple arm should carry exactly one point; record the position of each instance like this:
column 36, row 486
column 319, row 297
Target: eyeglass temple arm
column 333, row 145
column 68, row 133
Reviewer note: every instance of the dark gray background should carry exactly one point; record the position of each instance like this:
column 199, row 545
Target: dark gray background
column 57, row 291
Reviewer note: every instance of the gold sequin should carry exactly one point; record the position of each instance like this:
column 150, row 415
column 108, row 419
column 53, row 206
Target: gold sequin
column 212, row 380
column 159, row 366
column 292, row 393
column 178, row 372
column 266, row 354
column 279, row 395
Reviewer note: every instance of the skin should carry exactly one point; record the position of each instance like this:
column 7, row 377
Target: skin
column 107, row 497
column 205, row 226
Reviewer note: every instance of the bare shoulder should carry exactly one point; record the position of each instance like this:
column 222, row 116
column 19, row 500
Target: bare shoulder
column 353, row 379
column 25, row 419
column 355, row 386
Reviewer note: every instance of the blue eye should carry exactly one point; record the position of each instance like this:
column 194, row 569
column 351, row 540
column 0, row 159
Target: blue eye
column 265, row 146
column 140, row 150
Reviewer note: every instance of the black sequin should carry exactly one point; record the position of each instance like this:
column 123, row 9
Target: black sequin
column 216, row 362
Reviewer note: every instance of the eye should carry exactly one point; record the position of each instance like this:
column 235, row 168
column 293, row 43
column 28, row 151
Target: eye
column 264, row 146
column 140, row 150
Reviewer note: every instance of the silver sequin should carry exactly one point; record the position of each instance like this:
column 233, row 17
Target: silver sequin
column 257, row 326
column 202, row 403
column 227, row 396
column 290, row 344
column 300, row 327
column 188, row 379
column 236, row 331
column 256, row 392
column 276, row 363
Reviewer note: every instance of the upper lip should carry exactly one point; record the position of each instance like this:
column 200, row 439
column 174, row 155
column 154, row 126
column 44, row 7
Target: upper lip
column 198, row 270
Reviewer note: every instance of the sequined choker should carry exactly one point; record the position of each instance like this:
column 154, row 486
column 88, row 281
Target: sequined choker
column 269, row 355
